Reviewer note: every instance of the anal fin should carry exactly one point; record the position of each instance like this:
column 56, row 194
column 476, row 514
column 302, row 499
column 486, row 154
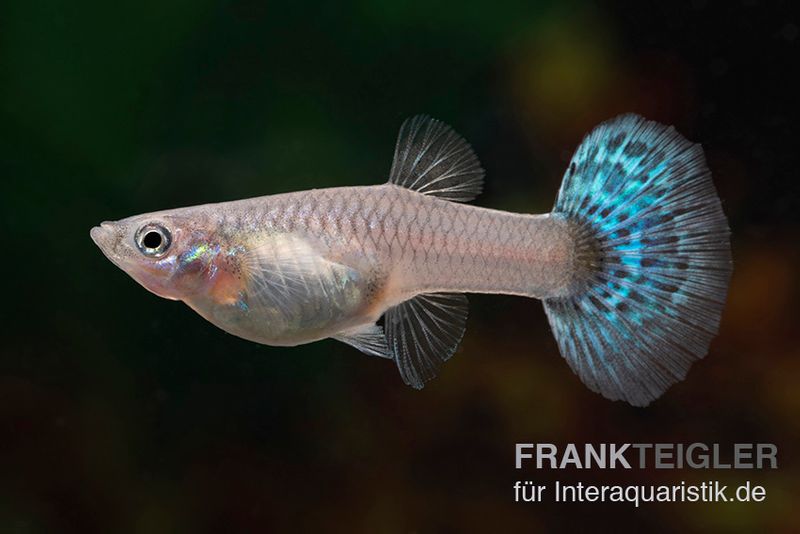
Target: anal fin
column 424, row 332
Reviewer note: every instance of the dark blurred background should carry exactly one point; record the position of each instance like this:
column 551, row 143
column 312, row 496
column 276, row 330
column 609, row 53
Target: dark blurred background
column 122, row 412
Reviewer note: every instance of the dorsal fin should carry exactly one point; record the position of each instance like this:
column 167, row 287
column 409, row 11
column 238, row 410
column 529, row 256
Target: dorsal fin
column 432, row 159
column 424, row 332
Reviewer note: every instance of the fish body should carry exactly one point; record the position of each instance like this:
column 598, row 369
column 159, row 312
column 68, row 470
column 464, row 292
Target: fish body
column 298, row 267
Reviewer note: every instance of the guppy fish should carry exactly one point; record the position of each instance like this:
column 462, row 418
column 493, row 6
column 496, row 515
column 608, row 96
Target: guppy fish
column 632, row 265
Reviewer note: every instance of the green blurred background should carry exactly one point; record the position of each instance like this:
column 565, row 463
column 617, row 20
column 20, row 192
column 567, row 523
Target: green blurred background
column 122, row 412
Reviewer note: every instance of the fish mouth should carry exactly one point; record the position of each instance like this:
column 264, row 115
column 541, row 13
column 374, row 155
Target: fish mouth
column 101, row 235
column 105, row 237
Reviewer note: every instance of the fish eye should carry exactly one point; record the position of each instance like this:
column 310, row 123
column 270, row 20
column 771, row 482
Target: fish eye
column 153, row 240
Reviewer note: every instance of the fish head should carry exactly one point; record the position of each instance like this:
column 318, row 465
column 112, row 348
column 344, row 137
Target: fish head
column 171, row 256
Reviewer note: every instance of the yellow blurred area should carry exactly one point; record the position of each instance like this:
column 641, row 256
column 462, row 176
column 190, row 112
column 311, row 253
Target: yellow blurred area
column 566, row 74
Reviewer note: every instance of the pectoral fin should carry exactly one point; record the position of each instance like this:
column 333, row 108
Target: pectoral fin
column 290, row 274
column 424, row 332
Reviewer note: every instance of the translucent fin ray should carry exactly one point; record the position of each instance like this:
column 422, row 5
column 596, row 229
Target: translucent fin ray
column 432, row 159
column 369, row 339
column 284, row 274
column 642, row 198
column 424, row 332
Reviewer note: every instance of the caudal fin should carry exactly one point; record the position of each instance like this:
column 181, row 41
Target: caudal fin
column 659, row 260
